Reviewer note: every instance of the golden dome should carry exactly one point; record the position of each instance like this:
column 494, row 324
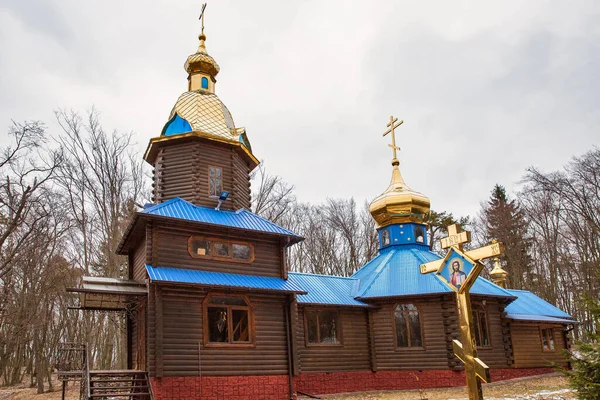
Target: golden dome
column 201, row 61
column 399, row 203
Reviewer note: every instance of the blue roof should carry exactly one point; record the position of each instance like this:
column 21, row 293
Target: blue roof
column 395, row 272
column 242, row 218
column 222, row 279
column 326, row 289
column 529, row 307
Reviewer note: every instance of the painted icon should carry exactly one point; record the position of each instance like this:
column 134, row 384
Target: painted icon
column 455, row 270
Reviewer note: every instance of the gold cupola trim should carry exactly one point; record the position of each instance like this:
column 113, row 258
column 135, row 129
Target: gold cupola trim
column 201, row 67
column 398, row 203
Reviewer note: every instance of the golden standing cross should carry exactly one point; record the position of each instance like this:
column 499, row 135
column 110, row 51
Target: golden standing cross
column 466, row 348
column 393, row 124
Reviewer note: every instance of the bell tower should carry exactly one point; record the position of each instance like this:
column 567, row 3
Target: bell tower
column 200, row 152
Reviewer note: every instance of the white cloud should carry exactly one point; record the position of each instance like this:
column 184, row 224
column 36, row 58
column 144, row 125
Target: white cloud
column 485, row 88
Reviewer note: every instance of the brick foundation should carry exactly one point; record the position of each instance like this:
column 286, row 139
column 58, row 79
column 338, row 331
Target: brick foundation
column 276, row 387
column 343, row 382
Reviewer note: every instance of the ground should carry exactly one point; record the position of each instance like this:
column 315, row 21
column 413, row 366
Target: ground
column 546, row 387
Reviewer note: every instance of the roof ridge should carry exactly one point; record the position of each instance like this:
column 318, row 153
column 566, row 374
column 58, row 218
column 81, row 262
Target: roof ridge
column 267, row 220
column 160, row 205
column 378, row 271
column 323, row 275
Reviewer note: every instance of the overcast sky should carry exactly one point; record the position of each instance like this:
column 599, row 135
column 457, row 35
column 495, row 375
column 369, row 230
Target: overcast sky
column 485, row 88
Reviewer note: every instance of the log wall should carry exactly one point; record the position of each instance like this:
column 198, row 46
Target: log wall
column 527, row 345
column 171, row 245
column 178, row 320
column 352, row 355
column 181, row 170
column 139, row 262
column 434, row 353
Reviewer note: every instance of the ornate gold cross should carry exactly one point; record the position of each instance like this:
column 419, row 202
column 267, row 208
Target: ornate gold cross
column 393, row 124
column 465, row 349
column 201, row 17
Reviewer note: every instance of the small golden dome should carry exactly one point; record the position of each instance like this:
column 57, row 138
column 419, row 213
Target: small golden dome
column 399, row 203
column 201, row 61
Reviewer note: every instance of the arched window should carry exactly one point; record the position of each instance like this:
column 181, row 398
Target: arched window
column 419, row 235
column 480, row 326
column 408, row 326
column 227, row 320
column 385, row 237
column 204, row 82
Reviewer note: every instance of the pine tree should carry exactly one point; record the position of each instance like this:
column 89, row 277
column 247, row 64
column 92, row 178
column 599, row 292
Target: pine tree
column 504, row 221
column 584, row 375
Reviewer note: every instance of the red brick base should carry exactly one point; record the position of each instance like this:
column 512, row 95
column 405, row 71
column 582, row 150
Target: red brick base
column 221, row 387
column 343, row 382
column 276, row 387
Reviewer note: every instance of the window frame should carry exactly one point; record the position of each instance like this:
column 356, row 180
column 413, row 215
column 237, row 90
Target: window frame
column 202, row 80
column 422, row 330
column 385, row 233
column 339, row 334
column 212, row 255
column 210, row 194
column 543, row 330
column 480, row 309
column 251, row 325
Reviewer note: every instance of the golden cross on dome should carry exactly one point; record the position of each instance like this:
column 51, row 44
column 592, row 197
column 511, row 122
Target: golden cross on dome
column 201, row 17
column 393, row 124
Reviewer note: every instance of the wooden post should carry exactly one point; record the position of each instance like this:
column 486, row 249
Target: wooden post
column 159, row 331
column 372, row 341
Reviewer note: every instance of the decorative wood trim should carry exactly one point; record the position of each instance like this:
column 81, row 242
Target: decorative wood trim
column 339, row 336
column 393, row 319
column 212, row 240
column 251, row 322
column 372, row 350
column 159, row 331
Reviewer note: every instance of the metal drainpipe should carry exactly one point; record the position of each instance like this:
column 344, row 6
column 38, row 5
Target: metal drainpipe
column 289, row 348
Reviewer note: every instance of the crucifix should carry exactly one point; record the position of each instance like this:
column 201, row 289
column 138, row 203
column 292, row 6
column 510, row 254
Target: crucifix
column 393, row 124
column 458, row 270
column 201, row 17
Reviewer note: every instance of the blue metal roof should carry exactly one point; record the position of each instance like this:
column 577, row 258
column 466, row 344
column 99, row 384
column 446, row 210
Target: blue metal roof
column 539, row 318
column 242, row 218
column 326, row 289
column 395, row 272
column 222, row 279
column 528, row 306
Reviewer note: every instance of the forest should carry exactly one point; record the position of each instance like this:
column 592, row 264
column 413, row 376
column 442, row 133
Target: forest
column 66, row 198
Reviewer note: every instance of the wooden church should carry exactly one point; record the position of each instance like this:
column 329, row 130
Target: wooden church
column 213, row 312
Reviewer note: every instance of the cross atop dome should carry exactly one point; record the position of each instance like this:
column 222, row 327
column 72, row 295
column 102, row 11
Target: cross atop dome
column 399, row 203
column 393, row 124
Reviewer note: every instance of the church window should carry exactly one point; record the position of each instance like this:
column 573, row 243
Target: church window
column 215, row 181
column 408, row 326
column 547, row 335
column 480, row 326
column 219, row 249
column 228, row 320
column 419, row 234
column 385, row 237
column 322, row 327
column 204, row 82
